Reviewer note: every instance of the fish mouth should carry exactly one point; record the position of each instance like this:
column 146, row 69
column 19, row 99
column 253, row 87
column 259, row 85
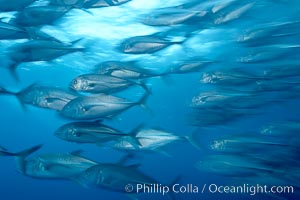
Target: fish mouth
column 75, row 85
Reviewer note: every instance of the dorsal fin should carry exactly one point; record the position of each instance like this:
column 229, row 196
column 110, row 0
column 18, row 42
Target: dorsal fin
column 77, row 152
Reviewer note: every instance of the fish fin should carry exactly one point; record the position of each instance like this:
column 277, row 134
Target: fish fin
column 6, row 92
column 162, row 152
column 6, row 153
column 133, row 133
column 80, row 181
column 74, row 42
column 144, row 85
column 24, row 108
column 173, row 182
column 76, row 152
column 20, row 157
column 125, row 158
column 193, row 140
column 13, row 71
column 36, row 34
column 143, row 101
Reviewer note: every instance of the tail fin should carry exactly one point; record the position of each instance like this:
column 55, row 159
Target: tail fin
column 193, row 141
column 143, row 101
column 6, row 153
column 20, row 157
column 145, row 87
column 73, row 43
column 6, row 92
column 175, row 181
column 37, row 34
column 13, row 71
column 133, row 133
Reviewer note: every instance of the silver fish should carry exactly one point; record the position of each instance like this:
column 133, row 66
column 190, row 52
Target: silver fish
column 190, row 66
column 149, row 140
column 11, row 32
column 248, row 144
column 40, row 15
column 145, row 44
column 126, row 70
column 98, row 106
column 59, row 165
column 88, row 132
column 39, row 50
column 51, row 166
column 283, row 129
column 113, row 177
column 171, row 17
column 231, row 78
column 98, row 83
column 43, row 96
column 232, row 165
column 267, row 34
column 234, row 14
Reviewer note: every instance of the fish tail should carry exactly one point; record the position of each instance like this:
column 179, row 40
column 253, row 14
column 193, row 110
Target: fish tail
column 6, row 92
column 13, row 71
column 133, row 134
column 193, row 140
column 6, row 153
column 175, row 181
column 143, row 84
column 20, row 156
column 143, row 101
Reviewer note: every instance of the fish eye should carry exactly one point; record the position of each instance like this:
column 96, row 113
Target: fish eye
column 75, row 134
column 71, row 130
column 127, row 46
column 83, row 109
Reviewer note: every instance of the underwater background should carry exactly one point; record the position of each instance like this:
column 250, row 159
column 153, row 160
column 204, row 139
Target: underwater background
column 253, row 45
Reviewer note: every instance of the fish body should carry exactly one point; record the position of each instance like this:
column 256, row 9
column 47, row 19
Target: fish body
column 88, row 132
column 98, row 83
column 39, row 50
column 171, row 17
column 40, row 15
column 43, row 96
column 126, row 70
column 148, row 140
column 55, row 166
column 98, row 106
column 12, row 32
column 113, row 177
column 144, row 44
column 231, row 165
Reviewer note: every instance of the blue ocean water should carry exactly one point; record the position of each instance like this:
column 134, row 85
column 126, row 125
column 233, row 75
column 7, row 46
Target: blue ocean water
column 170, row 106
